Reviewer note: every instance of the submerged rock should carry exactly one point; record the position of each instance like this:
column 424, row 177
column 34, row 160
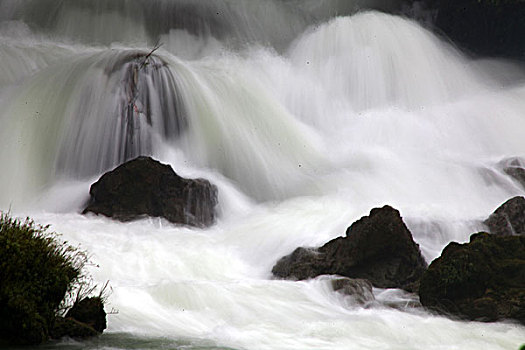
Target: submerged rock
column 378, row 247
column 509, row 218
column 481, row 280
column 303, row 263
column 69, row 327
column 359, row 289
column 144, row 186
column 515, row 168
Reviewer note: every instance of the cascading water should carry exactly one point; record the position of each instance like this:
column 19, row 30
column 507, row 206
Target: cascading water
column 304, row 120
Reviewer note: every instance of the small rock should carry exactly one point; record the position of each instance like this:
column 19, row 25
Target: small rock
column 359, row 289
column 509, row 218
column 302, row 264
column 515, row 168
column 89, row 311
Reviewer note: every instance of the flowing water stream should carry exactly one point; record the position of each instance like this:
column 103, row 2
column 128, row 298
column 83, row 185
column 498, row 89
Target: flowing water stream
column 305, row 114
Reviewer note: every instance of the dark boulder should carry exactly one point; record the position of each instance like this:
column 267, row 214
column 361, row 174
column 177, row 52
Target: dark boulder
column 378, row 247
column 481, row 280
column 302, row 264
column 144, row 186
column 509, row 218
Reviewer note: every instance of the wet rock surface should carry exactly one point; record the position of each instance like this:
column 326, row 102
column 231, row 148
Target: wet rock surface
column 144, row 186
column 359, row 289
column 509, row 218
column 378, row 247
column 481, row 280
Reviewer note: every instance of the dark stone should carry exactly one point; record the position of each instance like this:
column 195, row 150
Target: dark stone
column 69, row 327
column 518, row 173
column 89, row 311
column 359, row 289
column 481, row 280
column 378, row 248
column 144, row 186
column 509, row 218
column 303, row 263
column 515, row 168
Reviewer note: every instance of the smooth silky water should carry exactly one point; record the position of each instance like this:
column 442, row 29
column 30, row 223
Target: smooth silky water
column 305, row 114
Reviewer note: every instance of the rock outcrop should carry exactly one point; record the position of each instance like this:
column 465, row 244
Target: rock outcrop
column 481, row 280
column 144, row 186
column 508, row 219
column 378, row 247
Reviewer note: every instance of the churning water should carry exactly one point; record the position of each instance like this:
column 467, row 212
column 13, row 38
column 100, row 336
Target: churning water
column 305, row 114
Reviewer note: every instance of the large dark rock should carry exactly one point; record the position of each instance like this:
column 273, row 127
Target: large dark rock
column 481, row 280
column 144, row 186
column 509, row 218
column 378, row 247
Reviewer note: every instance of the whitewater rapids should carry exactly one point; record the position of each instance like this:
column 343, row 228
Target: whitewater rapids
column 303, row 119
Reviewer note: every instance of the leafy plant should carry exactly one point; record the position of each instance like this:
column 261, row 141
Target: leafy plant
column 37, row 273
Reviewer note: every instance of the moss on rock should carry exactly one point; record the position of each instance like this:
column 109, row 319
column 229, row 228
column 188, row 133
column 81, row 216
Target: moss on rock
column 480, row 280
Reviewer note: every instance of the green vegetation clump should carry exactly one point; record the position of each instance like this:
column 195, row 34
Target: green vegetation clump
column 37, row 273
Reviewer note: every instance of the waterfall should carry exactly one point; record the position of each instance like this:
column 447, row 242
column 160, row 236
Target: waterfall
column 90, row 112
column 305, row 114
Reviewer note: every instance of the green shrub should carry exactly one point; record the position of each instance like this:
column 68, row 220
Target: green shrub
column 37, row 272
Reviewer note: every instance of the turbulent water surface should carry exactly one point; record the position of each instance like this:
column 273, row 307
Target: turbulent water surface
column 305, row 114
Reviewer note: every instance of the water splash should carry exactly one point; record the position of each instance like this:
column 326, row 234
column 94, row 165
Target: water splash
column 360, row 111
